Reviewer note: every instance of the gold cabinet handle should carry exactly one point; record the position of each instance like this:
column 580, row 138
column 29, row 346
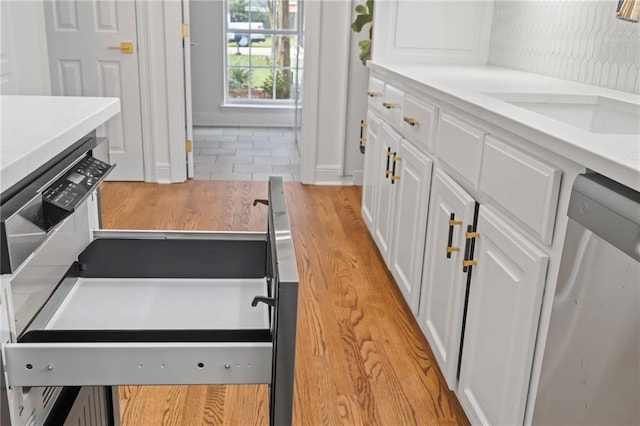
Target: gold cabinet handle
column 470, row 235
column 452, row 222
column 125, row 47
column 411, row 121
column 373, row 94
column 395, row 177
column 363, row 140
column 388, row 105
column 363, row 124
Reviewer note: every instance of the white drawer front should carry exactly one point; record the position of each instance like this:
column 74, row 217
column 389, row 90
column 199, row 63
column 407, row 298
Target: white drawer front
column 392, row 106
column 376, row 94
column 522, row 184
column 459, row 144
column 418, row 122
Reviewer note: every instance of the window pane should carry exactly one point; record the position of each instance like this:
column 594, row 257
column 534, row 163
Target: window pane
column 238, row 81
column 268, row 60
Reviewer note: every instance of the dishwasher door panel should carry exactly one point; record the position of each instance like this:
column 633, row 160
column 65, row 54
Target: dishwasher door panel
column 591, row 367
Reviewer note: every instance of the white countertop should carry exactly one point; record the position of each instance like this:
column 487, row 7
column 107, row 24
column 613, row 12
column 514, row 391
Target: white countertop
column 614, row 155
column 33, row 129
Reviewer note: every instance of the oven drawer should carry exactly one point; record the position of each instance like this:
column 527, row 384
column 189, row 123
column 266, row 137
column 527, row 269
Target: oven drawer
column 153, row 308
column 170, row 308
column 167, row 307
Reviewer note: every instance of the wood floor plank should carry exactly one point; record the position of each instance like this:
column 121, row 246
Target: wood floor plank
column 360, row 357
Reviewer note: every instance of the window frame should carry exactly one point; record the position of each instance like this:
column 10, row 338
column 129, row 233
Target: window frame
column 295, row 37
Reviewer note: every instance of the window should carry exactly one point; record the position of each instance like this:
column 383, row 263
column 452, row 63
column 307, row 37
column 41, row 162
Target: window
column 262, row 50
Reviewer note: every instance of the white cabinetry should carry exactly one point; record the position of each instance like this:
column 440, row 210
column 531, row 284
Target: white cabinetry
column 451, row 210
column 372, row 171
column 382, row 220
column 437, row 31
column 505, row 295
column 411, row 174
column 397, row 181
column 469, row 252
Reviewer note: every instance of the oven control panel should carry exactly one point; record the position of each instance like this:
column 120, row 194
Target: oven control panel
column 68, row 191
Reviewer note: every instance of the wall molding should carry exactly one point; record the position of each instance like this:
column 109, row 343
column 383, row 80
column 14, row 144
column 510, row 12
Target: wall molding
column 144, row 60
column 163, row 173
column 331, row 175
column 309, row 127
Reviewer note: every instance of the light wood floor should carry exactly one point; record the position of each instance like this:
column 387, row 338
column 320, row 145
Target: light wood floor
column 361, row 358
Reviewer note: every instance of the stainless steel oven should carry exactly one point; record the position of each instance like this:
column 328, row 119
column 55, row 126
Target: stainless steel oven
column 87, row 309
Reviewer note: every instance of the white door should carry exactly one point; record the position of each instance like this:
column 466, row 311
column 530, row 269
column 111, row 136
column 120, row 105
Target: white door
column 410, row 220
column 382, row 220
column 505, row 296
column 444, row 283
column 372, row 170
column 187, row 44
column 84, row 39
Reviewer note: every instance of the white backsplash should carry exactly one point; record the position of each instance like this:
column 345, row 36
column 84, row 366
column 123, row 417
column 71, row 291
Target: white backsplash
column 573, row 40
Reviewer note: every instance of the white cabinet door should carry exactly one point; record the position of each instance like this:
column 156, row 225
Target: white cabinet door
column 412, row 181
column 388, row 148
column 444, row 283
column 502, row 317
column 373, row 168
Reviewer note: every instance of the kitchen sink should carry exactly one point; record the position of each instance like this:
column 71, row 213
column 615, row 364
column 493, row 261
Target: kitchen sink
column 596, row 114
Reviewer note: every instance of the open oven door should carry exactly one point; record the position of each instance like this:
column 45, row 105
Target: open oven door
column 171, row 307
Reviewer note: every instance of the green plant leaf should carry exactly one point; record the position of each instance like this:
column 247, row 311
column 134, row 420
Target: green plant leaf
column 360, row 22
column 365, row 51
column 361, row 9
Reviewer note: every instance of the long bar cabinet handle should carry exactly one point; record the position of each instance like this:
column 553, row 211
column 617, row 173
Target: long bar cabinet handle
column 470, row 235
column 390, row 154
column 452, row 222
column 395, row 177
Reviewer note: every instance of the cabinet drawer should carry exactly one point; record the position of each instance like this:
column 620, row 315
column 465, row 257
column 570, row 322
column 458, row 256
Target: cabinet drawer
column 418, row 122
column 392, row 106
column 522, row 184
column 459, row 144
column 376, row 94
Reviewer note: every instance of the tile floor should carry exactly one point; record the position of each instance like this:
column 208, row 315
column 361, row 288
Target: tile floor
column 241, row 153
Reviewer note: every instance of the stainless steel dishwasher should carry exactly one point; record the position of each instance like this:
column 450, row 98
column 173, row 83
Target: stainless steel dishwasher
column 591, row 365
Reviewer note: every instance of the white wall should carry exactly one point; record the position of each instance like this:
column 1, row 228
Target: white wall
column 573, row 40
column 356, row 105
column 331, row 105
column 24, row 63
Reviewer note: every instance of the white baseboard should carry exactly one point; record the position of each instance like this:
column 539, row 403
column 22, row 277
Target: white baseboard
column 163, row 173
column 358, row 177
column 332, row 175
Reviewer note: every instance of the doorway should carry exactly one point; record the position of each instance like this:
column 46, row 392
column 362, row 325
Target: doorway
column 246, row 73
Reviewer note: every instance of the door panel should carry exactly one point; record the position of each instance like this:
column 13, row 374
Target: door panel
column 502, row 318
column 389, row 144
column 444, row 282
column 372, row 170
column 186, row 51
column 410, row 221
column 79, row 36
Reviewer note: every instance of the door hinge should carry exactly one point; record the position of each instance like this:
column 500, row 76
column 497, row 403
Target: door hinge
column 185, row 30
column 188, row 145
